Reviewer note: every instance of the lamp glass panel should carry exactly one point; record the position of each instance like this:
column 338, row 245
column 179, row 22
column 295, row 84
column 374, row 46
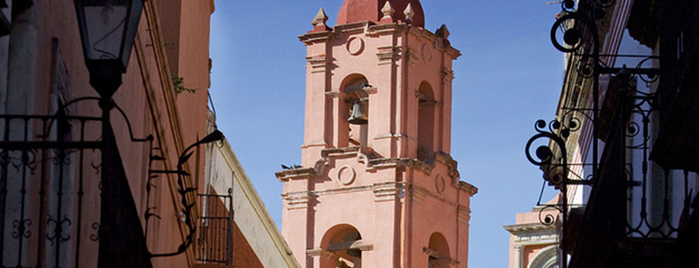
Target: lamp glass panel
column 105, row 28
column 134, row 17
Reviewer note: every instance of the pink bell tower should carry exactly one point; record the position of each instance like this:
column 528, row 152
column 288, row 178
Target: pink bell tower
column 377, row 187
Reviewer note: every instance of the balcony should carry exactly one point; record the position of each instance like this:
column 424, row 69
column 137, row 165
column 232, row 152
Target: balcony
column 214, row 247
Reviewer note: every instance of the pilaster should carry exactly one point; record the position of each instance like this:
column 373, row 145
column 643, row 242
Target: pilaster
column 318, row 134
column 390, row 69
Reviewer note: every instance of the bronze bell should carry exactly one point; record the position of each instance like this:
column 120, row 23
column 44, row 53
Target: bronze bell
column 357, row 116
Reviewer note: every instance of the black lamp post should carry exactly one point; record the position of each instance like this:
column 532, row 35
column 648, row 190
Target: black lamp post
column 107, row 30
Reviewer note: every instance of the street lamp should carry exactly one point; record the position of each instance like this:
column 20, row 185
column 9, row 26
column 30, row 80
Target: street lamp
column 107, row 29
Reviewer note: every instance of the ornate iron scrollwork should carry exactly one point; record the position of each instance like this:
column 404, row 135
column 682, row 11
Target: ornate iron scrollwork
column 187, row 193
column 554, row 164
column 42, row 198
column 575, row 32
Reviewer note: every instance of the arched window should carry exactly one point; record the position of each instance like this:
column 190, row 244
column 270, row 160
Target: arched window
column 354, row 110
column 438, row 252
column 426, row 119
column 341, row 246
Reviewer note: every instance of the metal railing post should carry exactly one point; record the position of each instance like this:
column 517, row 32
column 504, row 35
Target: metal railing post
column 231, row 225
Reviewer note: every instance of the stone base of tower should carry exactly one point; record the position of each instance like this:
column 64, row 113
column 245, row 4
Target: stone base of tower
column 386, row 212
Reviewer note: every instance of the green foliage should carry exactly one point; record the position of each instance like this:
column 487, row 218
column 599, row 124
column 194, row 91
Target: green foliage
column 178, row 82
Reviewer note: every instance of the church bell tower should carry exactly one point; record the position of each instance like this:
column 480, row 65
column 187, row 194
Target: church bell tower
column 377, row 187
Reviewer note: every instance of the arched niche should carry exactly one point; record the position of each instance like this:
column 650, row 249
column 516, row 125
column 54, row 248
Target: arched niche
column 438, row 252
column 545, row 258
column 427, row 106
column 341, row 247
column 354, row 104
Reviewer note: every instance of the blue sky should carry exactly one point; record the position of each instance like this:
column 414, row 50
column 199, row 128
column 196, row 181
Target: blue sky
column 509, row 76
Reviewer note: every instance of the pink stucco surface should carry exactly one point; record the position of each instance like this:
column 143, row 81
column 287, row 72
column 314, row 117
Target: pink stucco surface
column 145, row 97
column 405, row 189
column 370, row 10
column 530, row 245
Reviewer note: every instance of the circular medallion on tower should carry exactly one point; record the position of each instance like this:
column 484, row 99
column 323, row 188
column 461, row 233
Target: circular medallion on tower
column 439, row 183
column 346, row 175
column 355, row 45
column 426, row 52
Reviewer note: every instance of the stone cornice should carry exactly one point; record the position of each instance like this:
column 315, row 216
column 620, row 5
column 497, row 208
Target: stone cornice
column 317, row 62
column 372, row 30
column 529, row 234
column 353, row 27
column 451, row 164
column 516, row 229
column 363, row 155
column 467, row 187
column 340, row 152
column 299, row 173
column 386, row 191
column 316, row 37
column 447, row 160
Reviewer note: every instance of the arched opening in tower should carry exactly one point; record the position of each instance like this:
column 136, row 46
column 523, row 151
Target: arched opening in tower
column 356, row 110
column 438, row 252
column 426, row 118
column 341, row 248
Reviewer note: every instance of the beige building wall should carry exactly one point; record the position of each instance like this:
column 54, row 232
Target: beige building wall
column 224, row 172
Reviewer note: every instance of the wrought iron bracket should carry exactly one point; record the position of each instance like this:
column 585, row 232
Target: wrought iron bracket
column 187, row 193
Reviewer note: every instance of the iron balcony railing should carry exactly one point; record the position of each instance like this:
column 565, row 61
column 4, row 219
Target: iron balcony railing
column 49, row 184
column 215, row 231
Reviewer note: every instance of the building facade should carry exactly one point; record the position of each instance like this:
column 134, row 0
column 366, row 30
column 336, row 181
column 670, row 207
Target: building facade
column 533, row 244
column 88, row 180
column 624, row 133
column 255, row 240
column 377, row 186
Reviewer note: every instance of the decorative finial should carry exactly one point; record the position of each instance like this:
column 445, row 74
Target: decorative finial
column 443, row 32
column 387, row 11
column 319, row 22
column 409, row 13
column 320, row 18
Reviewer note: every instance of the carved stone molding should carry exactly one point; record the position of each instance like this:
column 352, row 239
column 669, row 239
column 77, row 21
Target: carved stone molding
column 412, row 55
column 447, row 75
column 426, row 53
column 346, row 175
column 355, row 45
column 388, row 53
column 298, row 173
column 385, row 192
column 439, row 184
column 317, row 63
column 464, row 214
column 418, row 194
column 297, row 200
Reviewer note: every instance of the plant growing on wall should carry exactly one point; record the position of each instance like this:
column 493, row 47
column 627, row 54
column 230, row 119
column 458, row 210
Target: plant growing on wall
column 178, row 83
